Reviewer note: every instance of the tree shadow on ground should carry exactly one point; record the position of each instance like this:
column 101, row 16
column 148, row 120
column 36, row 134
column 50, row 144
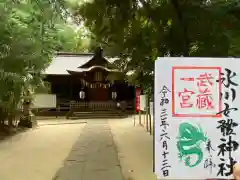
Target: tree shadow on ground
column 9, row 131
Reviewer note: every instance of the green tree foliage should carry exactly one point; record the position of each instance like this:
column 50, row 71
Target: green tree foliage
column 28, row 40
column 71, row 38
column 139, row 31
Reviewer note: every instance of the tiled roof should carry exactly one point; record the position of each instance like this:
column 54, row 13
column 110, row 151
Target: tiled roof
column 63, row 62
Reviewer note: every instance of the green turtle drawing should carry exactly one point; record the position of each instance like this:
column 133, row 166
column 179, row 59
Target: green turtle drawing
column 189, row 140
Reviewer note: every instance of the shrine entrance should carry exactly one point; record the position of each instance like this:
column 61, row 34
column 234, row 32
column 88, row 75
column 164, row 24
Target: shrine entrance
column 98, row 94
column 90, row 83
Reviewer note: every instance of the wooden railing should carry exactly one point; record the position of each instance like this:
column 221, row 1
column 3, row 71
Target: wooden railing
column 76, row 106
column 92, row 105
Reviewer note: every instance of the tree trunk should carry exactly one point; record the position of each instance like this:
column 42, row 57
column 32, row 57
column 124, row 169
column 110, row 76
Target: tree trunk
column 182, row 22
column 10, row 120
column 3, row 115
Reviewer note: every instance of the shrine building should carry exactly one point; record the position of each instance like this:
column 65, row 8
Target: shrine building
column 88, row 82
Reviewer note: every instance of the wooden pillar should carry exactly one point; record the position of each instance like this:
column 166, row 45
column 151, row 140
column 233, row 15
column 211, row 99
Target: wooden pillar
column 70, row 93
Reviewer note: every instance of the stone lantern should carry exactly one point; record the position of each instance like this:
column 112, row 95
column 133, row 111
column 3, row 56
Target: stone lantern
column 28, row 119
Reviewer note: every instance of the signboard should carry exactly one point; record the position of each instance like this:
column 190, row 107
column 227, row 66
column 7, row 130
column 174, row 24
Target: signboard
column 44, row 101
column 196, row 117
column 143, row 103
column 138, row 92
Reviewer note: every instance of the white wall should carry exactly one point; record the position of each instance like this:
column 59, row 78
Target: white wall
column 44, row 101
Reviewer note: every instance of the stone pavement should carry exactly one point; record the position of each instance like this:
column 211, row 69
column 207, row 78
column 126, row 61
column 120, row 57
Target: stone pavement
column 135, row 149
column 102, row 142
column 94, row 155
column 59, row 121
column 37, row 154
column 100, row 149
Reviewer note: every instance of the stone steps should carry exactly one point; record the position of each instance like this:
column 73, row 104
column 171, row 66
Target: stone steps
column 98, row 115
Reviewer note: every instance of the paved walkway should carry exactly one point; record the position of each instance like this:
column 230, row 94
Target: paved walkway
column 94, row 155
column 70, row 150
column 37, row 154
column 135, row 149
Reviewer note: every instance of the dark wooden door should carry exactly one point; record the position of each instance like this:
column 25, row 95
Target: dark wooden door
column 98, row 94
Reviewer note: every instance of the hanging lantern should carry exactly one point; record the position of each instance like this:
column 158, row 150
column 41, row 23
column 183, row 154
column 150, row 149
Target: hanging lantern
column 114, row 95
column 82, row 94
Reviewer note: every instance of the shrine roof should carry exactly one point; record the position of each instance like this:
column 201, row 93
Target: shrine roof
column 63, row 62
column 79, row 70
